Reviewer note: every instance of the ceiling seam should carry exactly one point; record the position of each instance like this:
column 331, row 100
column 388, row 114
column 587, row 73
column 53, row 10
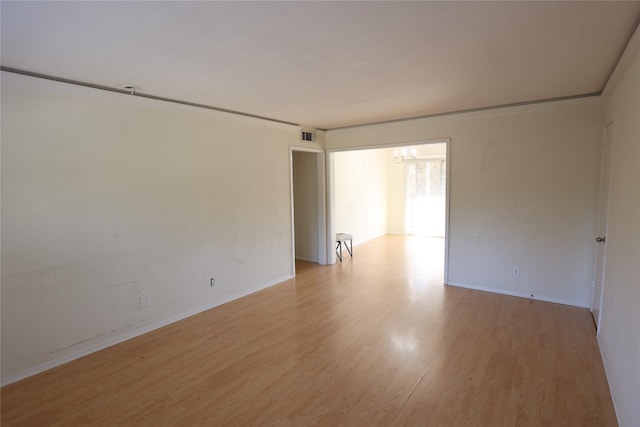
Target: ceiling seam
column 140, row 95
column 470, row 110
column 255, row 116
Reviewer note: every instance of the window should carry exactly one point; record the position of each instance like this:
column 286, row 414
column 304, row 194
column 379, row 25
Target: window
column 426, row 190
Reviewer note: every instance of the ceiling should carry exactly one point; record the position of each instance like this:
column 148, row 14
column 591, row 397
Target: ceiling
column 326, row 64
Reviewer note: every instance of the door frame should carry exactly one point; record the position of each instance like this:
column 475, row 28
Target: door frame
column 322, row 204
column 604, row 196
column 331, row 256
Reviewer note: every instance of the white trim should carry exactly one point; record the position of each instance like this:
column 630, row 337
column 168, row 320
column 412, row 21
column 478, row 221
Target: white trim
column 9, row 379
column 322, row 208
column 447, row 210
column 604, row 354
column 300, row 258
column 524, row 108
column 602, row 224
column 519, row 294
column 543, row 105
column 307, row 149
column 82, row 87
column 292, row 214
column 391, row 145
column 625, row 60
column 360, row 242
column 331, row 212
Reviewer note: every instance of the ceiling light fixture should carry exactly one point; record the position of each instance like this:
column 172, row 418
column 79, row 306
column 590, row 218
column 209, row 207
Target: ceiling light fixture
column 404, row 155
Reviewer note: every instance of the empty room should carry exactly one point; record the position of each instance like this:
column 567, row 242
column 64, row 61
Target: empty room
column 320, row 213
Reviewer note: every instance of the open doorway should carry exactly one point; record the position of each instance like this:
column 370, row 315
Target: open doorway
column 398, row 189
column 308, row 205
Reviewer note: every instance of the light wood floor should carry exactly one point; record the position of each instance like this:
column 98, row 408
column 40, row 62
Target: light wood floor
column 374, row 341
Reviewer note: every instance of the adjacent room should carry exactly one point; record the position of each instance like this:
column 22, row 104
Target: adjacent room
column 397, row 190
column 174, row 176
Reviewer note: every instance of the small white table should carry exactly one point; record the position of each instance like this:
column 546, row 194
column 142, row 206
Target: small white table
column 344, row 238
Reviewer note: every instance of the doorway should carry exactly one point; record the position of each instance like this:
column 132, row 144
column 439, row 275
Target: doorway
column 355, row 189
column 308, row 205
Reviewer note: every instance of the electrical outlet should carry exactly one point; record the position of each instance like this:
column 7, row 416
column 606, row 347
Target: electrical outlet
column 516, row 272
column 212, row 282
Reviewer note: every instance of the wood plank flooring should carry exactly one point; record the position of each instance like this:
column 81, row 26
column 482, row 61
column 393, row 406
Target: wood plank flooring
column 374, row 341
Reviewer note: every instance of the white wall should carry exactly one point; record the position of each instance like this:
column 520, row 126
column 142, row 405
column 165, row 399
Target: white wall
column 107, row 196
column 523, row 193
column 397, row 196
column 361, row 193
column 305, row 196
column 619, row 334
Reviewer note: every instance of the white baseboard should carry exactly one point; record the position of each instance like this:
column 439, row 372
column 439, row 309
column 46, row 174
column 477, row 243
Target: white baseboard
column 605, row 362
column 518, row 294
column 394, row 233
column 360, row 242
column 131, row 334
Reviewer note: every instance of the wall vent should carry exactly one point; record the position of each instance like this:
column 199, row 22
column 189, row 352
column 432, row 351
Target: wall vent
column 306, row 136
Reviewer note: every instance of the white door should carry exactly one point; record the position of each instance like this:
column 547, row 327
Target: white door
column 601, row 237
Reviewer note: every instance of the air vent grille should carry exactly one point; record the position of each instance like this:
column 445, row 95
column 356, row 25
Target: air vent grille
column 306, row 136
